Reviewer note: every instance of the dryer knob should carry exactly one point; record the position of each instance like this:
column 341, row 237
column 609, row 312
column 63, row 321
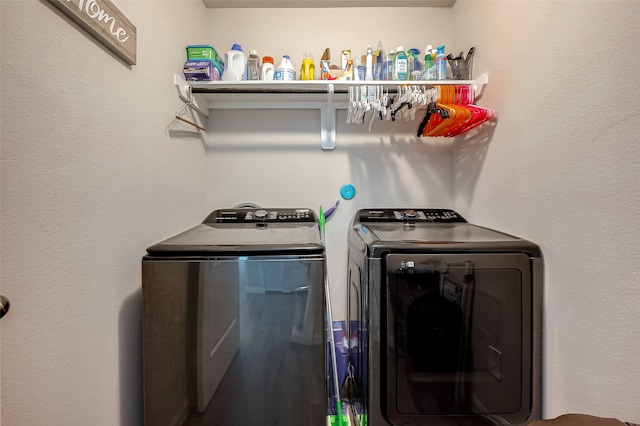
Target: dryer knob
column 410, row 214
column 261, row 214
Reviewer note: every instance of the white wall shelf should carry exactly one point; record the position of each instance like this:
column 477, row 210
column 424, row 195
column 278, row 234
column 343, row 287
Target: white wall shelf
column 327, row 96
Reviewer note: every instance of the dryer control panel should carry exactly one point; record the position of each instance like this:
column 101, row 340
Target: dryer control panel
column 259, row 215
column 409, row 215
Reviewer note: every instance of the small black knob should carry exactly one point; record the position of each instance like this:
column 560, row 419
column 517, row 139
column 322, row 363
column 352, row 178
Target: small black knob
column 4, row 306
column 410, row 214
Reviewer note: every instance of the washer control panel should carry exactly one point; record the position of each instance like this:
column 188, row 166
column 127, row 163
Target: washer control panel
column 259, row 215
column 409, row 215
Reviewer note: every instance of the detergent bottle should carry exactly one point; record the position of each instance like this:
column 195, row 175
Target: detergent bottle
column 267, row 69
column 235, row 64
column 308, row 68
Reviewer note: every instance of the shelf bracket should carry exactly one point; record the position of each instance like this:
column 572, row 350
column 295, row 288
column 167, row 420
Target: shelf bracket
column 190, row 101
column 479, row 84
column 328, row 121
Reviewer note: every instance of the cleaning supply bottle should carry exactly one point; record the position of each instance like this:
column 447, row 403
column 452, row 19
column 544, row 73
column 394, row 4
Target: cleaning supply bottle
column 415, row 65
column 348, row 73
column 387, row 68
column 253, row 66
column 285, row 70
column 267, row 68
column 235, row 64
column 401, row 65
column 358, row 68
column 308, row 68
column 368, row 74
column 429, row 64
column 377, row 62
column 410, row 60
column 441, row 64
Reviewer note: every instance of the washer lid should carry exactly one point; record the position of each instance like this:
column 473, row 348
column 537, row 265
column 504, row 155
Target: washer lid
column 434, row 233
column 426, row 228
column 250, row 231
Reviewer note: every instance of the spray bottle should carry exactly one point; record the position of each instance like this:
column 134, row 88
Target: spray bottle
column 415, row 65
column 441, row 64
column 429, row 64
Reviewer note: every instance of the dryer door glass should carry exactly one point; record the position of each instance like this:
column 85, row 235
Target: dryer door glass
column 458, row 336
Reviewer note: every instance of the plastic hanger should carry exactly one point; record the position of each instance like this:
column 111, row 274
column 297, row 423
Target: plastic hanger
column 179, row 116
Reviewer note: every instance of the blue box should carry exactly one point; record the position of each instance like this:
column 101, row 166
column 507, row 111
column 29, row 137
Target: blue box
column 201, row 71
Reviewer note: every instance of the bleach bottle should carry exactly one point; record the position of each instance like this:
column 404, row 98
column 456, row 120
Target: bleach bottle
column 235, row 64
column 285, row 70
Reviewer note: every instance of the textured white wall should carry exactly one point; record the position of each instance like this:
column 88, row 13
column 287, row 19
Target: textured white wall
column 90, row 178
column 563, row 169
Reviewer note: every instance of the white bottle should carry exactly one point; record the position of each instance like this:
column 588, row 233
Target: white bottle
column 368, row 74
column 285, row 70
column 267, row 69
column 235, row 64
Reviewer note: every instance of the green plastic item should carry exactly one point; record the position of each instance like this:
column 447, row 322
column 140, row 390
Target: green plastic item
column 204, row 52
column 321, row 222
column 337, row 418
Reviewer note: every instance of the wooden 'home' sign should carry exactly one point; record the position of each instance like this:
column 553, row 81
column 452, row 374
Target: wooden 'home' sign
column 105, row 22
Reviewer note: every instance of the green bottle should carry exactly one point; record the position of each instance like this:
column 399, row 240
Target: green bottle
column 429, row 64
